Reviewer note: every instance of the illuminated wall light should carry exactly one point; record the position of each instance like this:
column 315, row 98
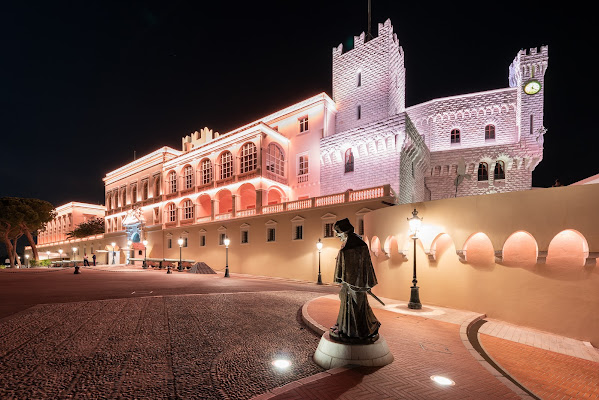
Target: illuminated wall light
column 441, row 380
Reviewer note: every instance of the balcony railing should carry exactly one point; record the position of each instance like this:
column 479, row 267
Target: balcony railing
column 303, row 178
column 323, row 201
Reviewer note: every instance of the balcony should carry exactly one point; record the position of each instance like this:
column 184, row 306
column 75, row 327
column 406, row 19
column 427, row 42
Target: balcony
column 303, row 178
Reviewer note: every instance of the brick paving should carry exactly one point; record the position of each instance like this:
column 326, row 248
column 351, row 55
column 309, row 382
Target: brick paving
column 216, row 346
column 422, row 347
column 548, row 374
column 150, row 335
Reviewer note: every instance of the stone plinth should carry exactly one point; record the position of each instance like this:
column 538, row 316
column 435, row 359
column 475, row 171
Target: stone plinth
column 331, row 354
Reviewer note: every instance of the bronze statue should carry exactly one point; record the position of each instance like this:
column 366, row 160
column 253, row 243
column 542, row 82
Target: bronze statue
column 356, row 323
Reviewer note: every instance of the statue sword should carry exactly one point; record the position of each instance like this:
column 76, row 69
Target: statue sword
column 376, row 298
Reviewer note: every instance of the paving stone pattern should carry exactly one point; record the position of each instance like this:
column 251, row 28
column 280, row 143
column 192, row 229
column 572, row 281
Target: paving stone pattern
column 548, row 374
column 215, row 346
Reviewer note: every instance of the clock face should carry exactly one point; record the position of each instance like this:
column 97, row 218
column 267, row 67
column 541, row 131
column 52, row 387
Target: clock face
column 532, row 87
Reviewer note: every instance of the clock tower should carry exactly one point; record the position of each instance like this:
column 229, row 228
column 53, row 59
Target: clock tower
column 527, row 73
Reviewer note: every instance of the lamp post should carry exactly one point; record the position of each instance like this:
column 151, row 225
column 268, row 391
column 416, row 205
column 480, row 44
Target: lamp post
column 60, row 251
column 27, row 260
column 145, row 242
column 48, row 254
column 113, row 244
column 415, row 223
column 75, row 262
column 129, row 244
column 319, row 247
column 180, row 241
column 227, row 241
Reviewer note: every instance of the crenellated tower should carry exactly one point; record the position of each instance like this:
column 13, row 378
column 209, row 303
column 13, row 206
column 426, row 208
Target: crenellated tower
column 369, row 80
column 527, row 73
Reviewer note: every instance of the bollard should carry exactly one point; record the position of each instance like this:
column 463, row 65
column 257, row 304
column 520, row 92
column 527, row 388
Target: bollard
column 168, row 270
column 76, row 270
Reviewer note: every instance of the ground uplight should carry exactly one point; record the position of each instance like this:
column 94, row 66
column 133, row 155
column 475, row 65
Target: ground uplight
column 281, row 363
column 441, row 380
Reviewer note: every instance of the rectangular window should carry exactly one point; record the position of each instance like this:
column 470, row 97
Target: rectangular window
column 184, row 242
column 303, row 124
column 303, row 165
column 202, row 240
column 328, row 230
column 531, row 123
column 359, row 112
column 245, row 236
column 359, row 79
column 169, row 243
column 270, row 234
column 361, row 227
column 298, row 232
column 221, row 239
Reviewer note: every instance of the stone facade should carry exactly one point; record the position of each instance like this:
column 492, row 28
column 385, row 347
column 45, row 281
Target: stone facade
column 497, row 134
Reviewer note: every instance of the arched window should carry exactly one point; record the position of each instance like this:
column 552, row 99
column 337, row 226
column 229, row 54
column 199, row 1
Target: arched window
column 206, row 170
column 349, row 161
column 144, row 190
column 157, row 186
column 187, row 209
column 188, row 174
column 455, row 136
column 172, row 182
column 171, row 212
column 109, row 201
column 249, row 158
column 123, row 197
column 499, row 172
column 489, row 132
column 483, row 172
column 226, row 165
column 275, row 160
column 133, row 194
column 359, row 78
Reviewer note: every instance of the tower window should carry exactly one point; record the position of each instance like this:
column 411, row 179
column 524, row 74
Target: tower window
column 531, row 123
column 349, row 161
column 359, row 78
column 489, row 132
column 359, row 112
column 483, row 172
column 499, row 172
column 455, row 136
column 303, row 124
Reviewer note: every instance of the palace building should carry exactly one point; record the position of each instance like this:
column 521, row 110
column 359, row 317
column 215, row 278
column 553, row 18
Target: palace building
column 286, row 177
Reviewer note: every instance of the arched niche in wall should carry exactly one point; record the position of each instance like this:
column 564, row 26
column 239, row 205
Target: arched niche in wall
column 567, row 251
column 520, row 250
column 375, row 246
column 439, row 246
column 275, row 195
column 479, row 251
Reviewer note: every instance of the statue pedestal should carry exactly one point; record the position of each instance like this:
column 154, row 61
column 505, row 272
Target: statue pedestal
column 331, row 354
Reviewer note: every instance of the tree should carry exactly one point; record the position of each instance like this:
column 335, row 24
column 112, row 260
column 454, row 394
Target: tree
column 18, row 217
column 37, row 213
column 94, row 226
column 11, row 216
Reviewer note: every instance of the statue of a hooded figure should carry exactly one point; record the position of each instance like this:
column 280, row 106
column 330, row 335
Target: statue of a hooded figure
column 356, row 323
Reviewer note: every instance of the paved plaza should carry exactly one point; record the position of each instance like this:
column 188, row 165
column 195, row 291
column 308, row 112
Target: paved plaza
column 125, row 332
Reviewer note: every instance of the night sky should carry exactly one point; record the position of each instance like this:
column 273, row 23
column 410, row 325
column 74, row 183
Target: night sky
column 85, row 84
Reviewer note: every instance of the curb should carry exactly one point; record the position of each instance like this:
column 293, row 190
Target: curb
column 502, row 375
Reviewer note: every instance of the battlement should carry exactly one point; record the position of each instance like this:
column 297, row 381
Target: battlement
column 196, row 138
column 528, row 63
column 385, row 31
column 542, row 50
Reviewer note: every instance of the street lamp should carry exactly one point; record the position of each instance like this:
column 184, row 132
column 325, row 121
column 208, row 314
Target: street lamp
column 60, row 251
column 113, row 253
column 415, row 223
column 227, row 241
column 145, row 242
column 319, row 247
column 129, row 243
column 180, row 241
column 75, row 262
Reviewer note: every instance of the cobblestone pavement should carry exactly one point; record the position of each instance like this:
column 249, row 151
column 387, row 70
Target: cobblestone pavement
column 214, row 346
